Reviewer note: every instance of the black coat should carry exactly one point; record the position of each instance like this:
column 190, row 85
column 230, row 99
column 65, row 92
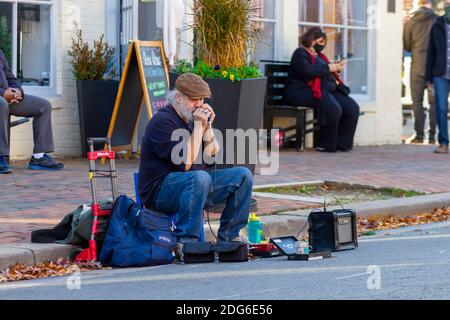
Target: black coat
column 437, row 51
column 7, row 78
column 297, row 91
column 301, row 71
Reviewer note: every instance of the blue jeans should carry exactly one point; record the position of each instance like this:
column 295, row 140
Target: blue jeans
column 441, row 89
column 187, row 193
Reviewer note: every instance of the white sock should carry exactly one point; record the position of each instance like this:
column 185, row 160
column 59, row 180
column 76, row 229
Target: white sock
column 38, row 155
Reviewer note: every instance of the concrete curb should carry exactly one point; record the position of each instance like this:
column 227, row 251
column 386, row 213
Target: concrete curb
column 282, row 224
column 32, row 253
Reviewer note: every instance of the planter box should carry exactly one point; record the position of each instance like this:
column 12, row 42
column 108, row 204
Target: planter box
column 96, row 100
column 238, row 105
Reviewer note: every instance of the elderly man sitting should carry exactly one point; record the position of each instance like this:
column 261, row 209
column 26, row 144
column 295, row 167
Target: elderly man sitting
column 13, row 101
column 168, row 186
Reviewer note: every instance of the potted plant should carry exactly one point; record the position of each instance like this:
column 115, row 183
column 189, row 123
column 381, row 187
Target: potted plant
column 224, row 36
column 5, row 38
column 96, row 90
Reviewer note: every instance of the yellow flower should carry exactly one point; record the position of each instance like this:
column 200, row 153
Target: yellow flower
column 232, row 77
column 224, row 74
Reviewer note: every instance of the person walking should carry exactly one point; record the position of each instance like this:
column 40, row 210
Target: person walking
column 438, row 73
column 416, row 37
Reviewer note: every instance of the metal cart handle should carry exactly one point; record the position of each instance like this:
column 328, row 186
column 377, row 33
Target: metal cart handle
column 93, row 141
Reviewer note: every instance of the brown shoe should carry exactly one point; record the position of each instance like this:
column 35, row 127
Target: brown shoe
column 441, row 149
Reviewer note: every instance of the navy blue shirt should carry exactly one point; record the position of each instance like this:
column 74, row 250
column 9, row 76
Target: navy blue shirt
column 156, row 161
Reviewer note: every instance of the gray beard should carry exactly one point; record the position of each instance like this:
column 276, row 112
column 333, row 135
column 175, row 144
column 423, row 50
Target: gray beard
column 187, row 115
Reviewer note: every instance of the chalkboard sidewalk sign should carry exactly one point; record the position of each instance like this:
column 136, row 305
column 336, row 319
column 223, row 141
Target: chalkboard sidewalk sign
column 145, row 80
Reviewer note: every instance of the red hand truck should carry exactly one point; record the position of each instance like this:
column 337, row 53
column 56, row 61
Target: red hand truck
column 90, row 253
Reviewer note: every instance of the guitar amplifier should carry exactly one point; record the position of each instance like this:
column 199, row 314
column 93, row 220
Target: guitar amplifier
column 332, row 230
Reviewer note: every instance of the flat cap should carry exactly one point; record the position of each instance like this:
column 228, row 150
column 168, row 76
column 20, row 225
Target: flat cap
column 192, row 86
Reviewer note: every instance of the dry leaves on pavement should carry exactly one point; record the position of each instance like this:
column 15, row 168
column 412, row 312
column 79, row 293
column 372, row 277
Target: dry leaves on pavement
column 367, row 226
column 49, row 269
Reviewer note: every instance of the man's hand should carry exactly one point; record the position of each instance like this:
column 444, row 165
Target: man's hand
column 208, row 107
column 12, row 95
column 201, row 115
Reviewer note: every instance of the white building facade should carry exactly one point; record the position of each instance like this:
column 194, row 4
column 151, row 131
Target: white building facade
column 366, row 32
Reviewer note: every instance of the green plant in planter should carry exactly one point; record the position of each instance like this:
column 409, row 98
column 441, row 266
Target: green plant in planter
column 5, row 38
column 91, row 63
column 224, row 35
column 224, row 31
column 218, row 72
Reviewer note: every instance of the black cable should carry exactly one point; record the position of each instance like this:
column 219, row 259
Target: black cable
column 304, row 226
column 325, row 200
column 212, row 192
column 207, row 210
column 301, row 230
column 337, row 200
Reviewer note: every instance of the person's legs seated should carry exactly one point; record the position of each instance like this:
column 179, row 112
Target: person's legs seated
column 4, row 145
column 328, row 134
column 234, row 187
column 40, row 109
column 184, row 194
column 348, row 122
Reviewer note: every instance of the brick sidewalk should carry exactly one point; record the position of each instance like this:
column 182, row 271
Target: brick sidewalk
column 32, row 200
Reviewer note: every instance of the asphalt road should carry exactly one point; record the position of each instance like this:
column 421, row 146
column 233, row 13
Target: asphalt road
column 408, row 263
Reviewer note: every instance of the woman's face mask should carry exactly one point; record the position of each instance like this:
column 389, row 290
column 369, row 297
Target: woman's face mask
column 320, row 45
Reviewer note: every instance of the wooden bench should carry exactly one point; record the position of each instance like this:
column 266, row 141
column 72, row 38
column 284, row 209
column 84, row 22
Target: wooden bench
column 276, row 73
column 13, row 124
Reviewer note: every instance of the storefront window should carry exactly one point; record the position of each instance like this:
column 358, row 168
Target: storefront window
column 333, row 11
column 309, row 10
column 345, row 23
column 26, row 40
column 266, row 22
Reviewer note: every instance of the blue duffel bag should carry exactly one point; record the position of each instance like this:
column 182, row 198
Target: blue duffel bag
column 137, row 237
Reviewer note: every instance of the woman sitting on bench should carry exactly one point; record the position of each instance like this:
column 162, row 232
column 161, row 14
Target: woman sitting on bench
column 314, row 82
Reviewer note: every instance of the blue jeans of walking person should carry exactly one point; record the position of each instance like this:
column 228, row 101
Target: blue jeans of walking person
column 441, row 89
column 188, row 193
